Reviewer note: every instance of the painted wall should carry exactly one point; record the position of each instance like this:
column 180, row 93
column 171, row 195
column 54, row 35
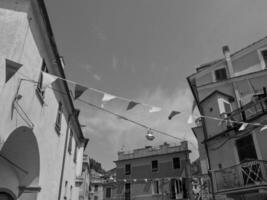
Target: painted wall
column 23, row 41
column 141, row 167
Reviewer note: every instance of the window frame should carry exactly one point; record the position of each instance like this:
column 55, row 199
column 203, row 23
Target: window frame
column 108, row 189
column 75, row 152
column 262, row 62
column 173, row 166
column 59, row 117
column 128, row 172
column 221, row 103
column 96, row 188
column 154, row 169
column 214, row 74
column 39, row 91
column 156, row 183
column 70, row 141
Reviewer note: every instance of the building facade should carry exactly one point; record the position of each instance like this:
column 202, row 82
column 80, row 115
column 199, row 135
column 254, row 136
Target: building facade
column 96, row 185
column 231, row 96
column 83, row 181
column 153, row 173
column 36, row 123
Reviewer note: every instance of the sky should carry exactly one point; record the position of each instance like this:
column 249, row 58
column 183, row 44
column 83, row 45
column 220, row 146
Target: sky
column 143, row 50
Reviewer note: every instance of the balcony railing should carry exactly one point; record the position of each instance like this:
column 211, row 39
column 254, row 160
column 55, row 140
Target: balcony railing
column 245, row 175
column 250, row 111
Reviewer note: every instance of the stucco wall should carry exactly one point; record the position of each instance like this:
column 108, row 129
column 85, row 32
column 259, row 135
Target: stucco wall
column 22, row 40
column 141, row 167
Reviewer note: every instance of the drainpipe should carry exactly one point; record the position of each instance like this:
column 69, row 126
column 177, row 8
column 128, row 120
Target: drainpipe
column 229, row 64
column 205, row 136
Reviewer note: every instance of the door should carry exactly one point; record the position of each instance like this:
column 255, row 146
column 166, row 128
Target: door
column 127, row 191
column 251, row 171
column 5, row 196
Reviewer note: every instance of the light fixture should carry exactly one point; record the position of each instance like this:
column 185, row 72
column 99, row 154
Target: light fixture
column 149, row 135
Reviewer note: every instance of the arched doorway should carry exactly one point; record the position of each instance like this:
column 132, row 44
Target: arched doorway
column 5, row 196
column 19, row 162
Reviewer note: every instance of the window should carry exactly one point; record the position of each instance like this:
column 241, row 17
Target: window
column 263, row 57
column 108, row 192
column 65, row 189
column 127, row 169
column 58, row 119
column 246, row 148
column 220, row 74
column 95, row 197
column 156, row 187
column 39, row 89
column 96, row 188
column 176, row 163
column 127, row 191
column 71, row 192
column 224, row 106
column 154, row 165
column 75, row 152
column 70, row 141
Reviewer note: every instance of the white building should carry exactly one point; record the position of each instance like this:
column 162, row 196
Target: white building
column 41, row 141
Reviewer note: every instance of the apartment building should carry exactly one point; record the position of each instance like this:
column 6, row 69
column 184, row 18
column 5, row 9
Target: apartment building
column 154, row 173
column 230, row 94
column 37, row 123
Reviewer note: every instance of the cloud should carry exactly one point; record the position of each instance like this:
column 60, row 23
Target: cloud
column 108, row 134
column 97, row 77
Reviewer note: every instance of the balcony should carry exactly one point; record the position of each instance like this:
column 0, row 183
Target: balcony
column 245, row 177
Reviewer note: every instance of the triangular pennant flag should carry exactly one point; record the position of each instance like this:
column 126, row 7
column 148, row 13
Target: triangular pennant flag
column 263, row 128
column 47, row 79
column 173, row 113
column 107, row 97
column 243, row 127
column 79, row 90
column 154, row 109
column 11, row 68
column 131, row 105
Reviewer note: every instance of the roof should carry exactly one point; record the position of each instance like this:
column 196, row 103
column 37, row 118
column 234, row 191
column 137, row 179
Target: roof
column 52, row 42
column 231, row 98
column 206, row 65
column 209, row 64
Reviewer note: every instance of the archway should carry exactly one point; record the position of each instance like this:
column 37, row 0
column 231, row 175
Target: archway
column 20, row 161
column 5, row 196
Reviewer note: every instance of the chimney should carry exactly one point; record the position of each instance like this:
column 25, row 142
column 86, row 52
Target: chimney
column 227, row 56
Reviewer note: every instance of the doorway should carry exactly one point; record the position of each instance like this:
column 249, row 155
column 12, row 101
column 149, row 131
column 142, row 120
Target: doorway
column 5, row 196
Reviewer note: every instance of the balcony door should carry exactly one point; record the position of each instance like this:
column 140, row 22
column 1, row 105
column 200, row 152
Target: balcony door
column 246, row 148
column 251, row 171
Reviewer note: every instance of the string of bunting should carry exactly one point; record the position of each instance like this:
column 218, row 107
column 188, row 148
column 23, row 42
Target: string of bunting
column 48, row 79
column 146, row 180
column 79, row 89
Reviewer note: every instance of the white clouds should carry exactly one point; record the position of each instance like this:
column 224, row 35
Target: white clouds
column 107, row 129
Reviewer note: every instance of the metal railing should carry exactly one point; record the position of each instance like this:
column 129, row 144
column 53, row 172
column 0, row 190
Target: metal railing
column 249, row 111
column 246, row 174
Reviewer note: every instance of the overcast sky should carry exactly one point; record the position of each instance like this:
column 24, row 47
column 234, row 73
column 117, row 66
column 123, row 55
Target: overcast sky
column 144, row 50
